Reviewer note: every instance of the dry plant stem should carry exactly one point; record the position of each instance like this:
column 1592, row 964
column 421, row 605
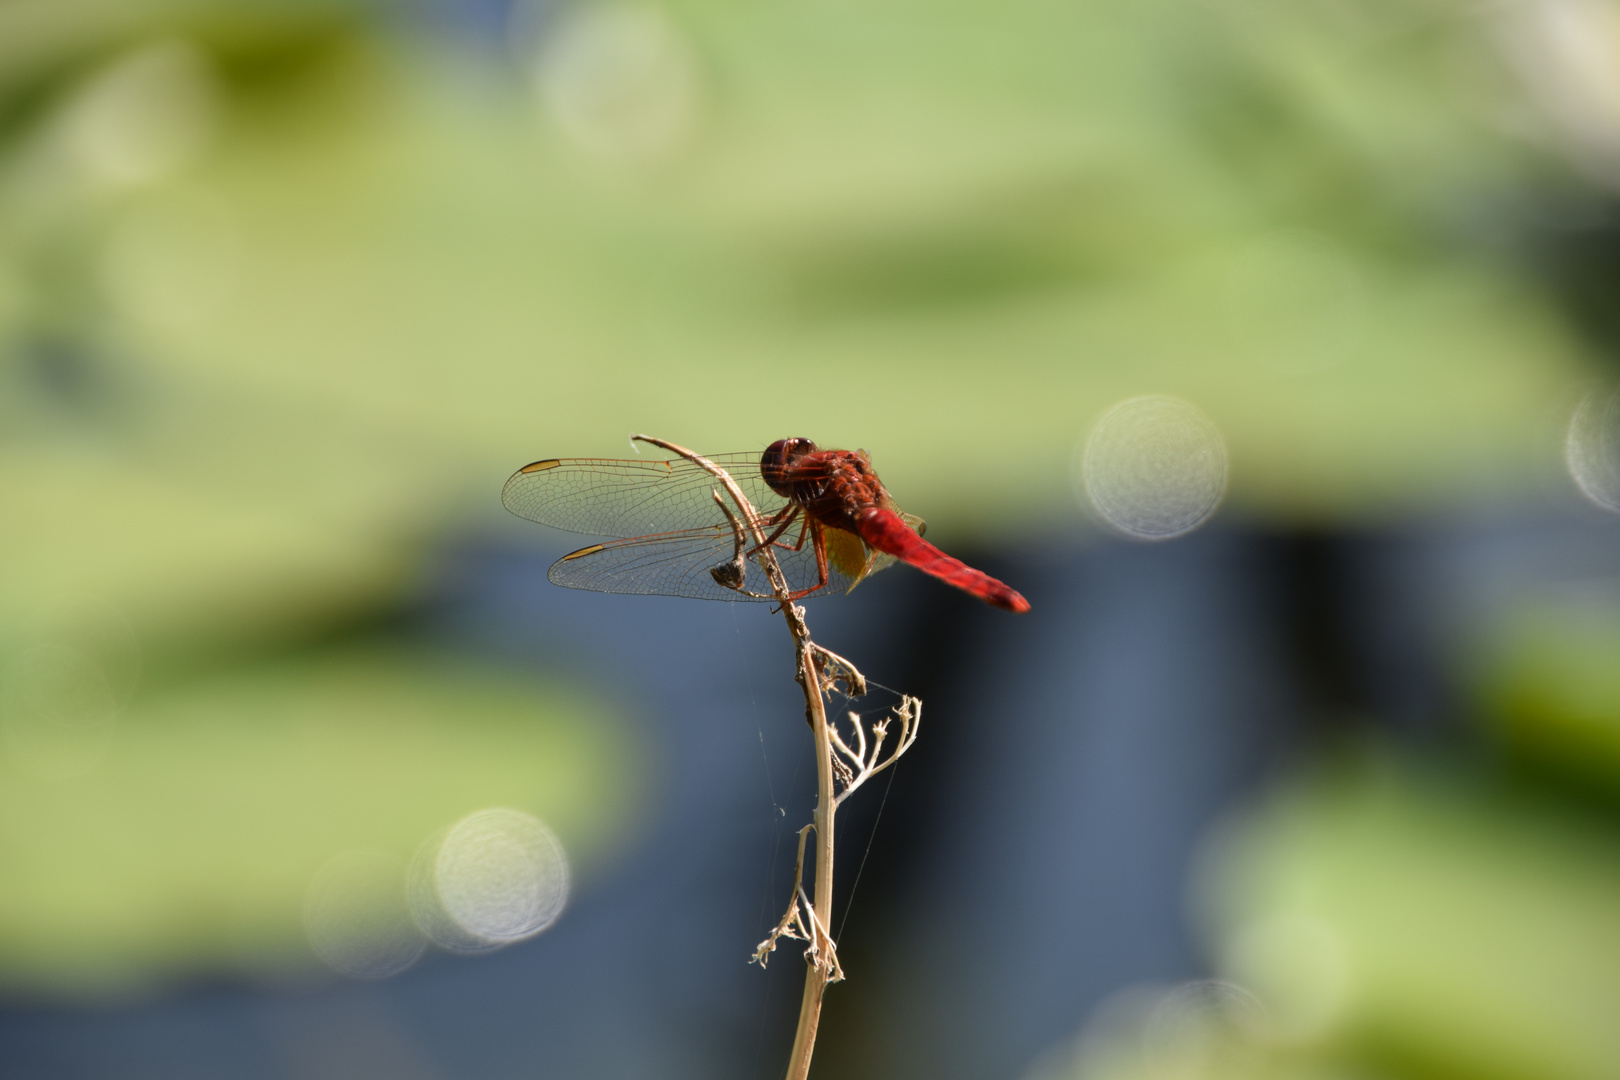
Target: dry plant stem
column 823, row 959
column 818, row 670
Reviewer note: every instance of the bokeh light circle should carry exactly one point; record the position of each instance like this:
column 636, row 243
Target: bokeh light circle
column 1300, row 966
column 1153, row 467
column 356, row 916
column 1592, row 448
column 620, row 80
column 143, row 116
column 1194, row 1030
column 495, row 877
column 1190, row 1021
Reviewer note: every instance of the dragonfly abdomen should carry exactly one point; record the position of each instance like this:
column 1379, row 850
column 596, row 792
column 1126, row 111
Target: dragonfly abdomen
column 883, row 529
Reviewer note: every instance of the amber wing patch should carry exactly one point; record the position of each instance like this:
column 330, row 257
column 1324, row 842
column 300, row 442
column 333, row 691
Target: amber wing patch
column 847, row 554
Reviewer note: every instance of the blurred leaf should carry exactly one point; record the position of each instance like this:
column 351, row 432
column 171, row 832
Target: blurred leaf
column 189, row 847
column 1436, row 931
column 188, row 540
column 954, row 249
column 1549, row 680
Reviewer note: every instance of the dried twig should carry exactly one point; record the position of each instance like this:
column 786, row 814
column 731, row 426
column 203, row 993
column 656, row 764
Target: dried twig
column 792, row 922
column 733, row 574
column 797, row 920
column 840, row 768
column 835, row 669
column 862, row 762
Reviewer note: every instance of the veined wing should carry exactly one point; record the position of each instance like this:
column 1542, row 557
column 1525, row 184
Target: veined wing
column 679, row 564
column 632, row 497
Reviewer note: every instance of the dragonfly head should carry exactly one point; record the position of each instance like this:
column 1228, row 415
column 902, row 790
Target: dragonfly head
column 778, row 458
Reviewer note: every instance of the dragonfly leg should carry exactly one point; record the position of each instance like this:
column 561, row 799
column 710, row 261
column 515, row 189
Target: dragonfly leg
column 792, row 513
column 798, row 545
column 819, row 540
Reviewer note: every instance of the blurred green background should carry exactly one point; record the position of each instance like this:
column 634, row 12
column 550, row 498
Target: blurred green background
column 287, row 289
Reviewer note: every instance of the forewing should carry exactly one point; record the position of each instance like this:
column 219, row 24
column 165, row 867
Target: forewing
column 680, row 564
column 632, row 497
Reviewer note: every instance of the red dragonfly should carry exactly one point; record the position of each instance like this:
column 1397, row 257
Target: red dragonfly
column 825, row 513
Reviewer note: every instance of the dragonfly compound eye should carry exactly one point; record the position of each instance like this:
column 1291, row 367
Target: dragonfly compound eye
column 779, row 457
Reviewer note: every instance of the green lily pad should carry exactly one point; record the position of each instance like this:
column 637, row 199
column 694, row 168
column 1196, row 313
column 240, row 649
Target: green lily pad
column 181, row 836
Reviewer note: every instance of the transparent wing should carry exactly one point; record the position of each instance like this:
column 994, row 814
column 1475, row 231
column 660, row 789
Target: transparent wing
column 680, row 564
column 632, row 497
